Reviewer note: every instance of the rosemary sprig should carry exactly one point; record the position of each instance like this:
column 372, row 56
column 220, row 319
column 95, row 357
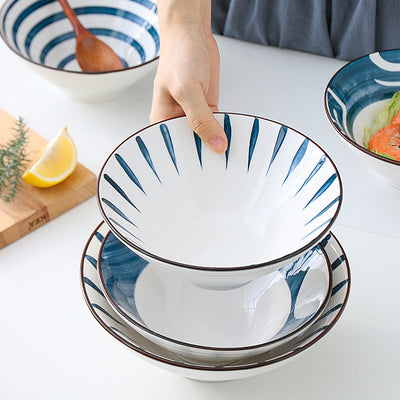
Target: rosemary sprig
column 13, row 158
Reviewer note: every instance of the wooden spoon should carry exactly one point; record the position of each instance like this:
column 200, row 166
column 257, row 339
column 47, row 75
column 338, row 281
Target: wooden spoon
column 92, row 54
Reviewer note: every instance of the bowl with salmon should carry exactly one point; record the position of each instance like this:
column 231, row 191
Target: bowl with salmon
column 362, row 102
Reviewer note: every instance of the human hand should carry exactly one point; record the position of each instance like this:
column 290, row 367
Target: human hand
column 187, row 82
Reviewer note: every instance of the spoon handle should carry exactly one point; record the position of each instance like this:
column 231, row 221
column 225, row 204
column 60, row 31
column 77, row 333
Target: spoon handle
column 73, row 19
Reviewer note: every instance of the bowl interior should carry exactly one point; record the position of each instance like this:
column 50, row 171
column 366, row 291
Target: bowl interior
column 167, row 195
column 265, row 310
column 213, row 369
column 359, row 90
column 40, row 32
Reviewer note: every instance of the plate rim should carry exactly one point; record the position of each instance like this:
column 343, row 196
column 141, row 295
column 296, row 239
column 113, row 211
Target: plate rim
column 229, row 368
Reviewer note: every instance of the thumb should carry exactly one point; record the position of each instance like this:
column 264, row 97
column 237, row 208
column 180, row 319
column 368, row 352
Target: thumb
column 202, row 121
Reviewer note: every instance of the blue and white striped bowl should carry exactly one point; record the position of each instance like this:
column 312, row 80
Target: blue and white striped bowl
column 39, row 32
column 354, row 96
column 201, row 324
column 221, row 220
column 213, row 370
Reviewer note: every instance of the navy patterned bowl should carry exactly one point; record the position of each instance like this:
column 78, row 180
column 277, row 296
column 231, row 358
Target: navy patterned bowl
column 39, row 33
column 214, row 369
column 354, row 96
column 201, row 324
column 220, row 220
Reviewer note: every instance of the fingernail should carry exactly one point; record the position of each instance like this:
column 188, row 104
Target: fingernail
column 218, row 144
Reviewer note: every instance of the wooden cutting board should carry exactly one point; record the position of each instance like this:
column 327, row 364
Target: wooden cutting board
column 32, row 207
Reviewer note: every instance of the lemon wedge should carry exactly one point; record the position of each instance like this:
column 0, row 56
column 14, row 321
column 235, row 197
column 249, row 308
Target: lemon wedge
column 54, row 163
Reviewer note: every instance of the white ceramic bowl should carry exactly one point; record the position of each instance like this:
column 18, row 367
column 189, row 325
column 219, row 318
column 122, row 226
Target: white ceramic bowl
column 39, row 33
column 220, row 220
column 354, row 96
column 201, row 324
column 214, row 370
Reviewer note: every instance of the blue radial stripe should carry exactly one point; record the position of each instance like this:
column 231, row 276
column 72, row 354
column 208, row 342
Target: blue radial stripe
column 228, row 133
column 65, row 61
column 53, row 43
column 324, row 210
column 99, row 237
column 325, row 240
column 123, row 37
column 338, row 287
column 24, row 14
column 197, row 142
column 92, row 285
column 114, row 251
column 313, row 172
column 124, row 229
column 297, row 158
column 278, row 143
column 338, row 262
column 123, row 334
column 145, row 152
column 253, row 140
column 119, row 190
column 129, row 172
column 38, row 27
column 154, row 34
column 121, row 269
column 6, row 14
column 124, row 62
column 96, row 31
column 100, row 308
column 330, row 311
column 146, row 3
column 92, row 260
column 322, row 189
column 168, row 144
column 117, row 210
column 123, row 14
column 317, row 228
column 295, row 275
column 299, row 264
column 294, row 282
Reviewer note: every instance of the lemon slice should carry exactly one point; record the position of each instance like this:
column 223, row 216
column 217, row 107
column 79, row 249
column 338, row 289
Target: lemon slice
column 54, row 163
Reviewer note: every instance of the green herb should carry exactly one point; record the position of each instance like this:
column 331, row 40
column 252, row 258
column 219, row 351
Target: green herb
column 12, row 161
column 383, row 118
column 382, row 154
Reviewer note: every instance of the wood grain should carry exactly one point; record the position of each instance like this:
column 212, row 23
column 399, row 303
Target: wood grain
column 33, row 207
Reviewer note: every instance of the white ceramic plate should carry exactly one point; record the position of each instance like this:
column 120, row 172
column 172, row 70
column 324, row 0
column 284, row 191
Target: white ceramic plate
column 213, row 324
column 209, row 371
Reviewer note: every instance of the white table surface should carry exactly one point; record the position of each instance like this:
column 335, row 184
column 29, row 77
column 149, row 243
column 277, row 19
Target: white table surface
column 50, row 345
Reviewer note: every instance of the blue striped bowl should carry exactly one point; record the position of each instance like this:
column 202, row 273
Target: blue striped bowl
column 221, row 220
column 354, row 96
column 214, row 370
column 39, row 32
column 200, row 324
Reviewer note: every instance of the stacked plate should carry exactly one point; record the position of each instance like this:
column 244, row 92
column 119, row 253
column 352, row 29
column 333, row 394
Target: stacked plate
column 217, row 267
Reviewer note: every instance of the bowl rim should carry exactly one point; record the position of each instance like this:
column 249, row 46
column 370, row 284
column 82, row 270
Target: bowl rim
column 89, row 73
column 176, row 263
column 127, row 317
column 338, row 130
column 218, row 369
